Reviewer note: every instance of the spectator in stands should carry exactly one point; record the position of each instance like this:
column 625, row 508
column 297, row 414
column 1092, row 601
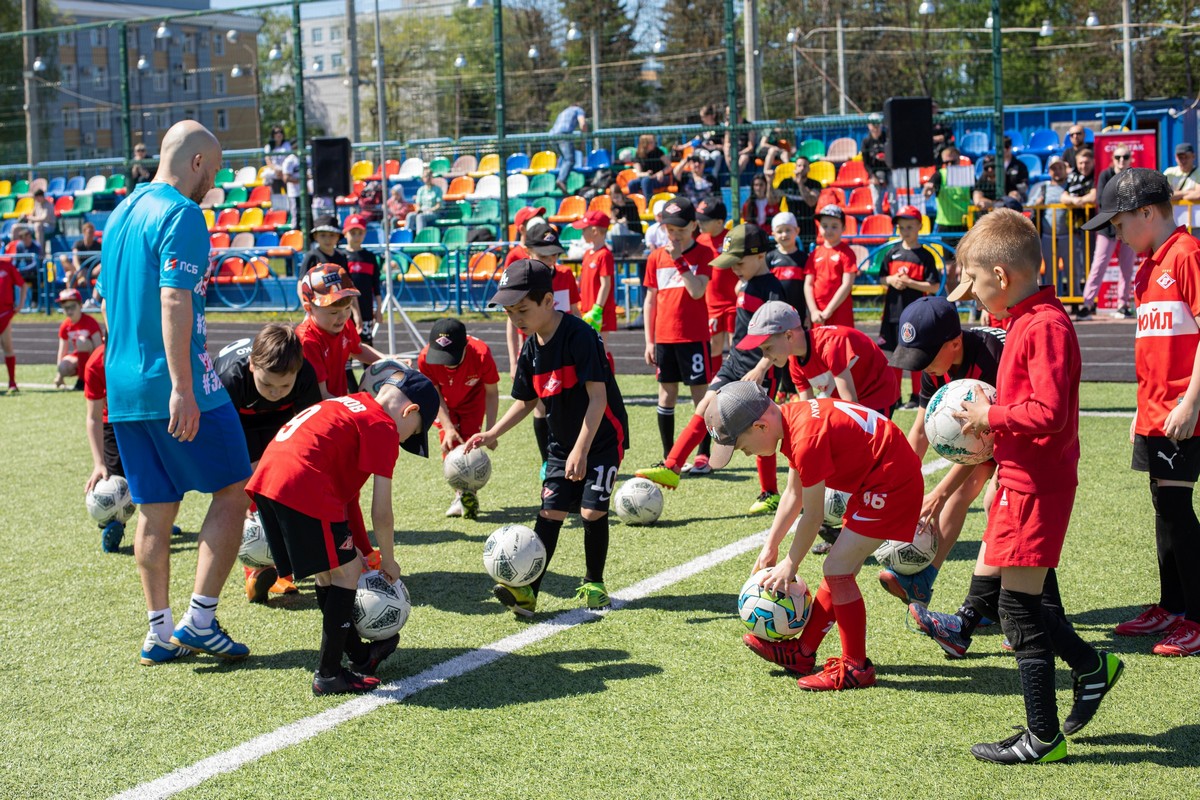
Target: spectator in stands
column 883, row 196
column 943, row 134
column 653, row 167
column 1058, row 240
column 624, row 212
column 292, row 173
column 1075, row 143
column 1184, row 177
column 276, row 151
column 706, row 144
column 427, row 203
column 79, row 269
column 802, row 194
column 691, row 180
column 745, row 146
column 570, row 120
column 138, row 172
column 1016, row 174
column 43, row 221
column 30, row 267
column 1081, row 183
column 397, row 206
column 983, row 194
column 762, row 206
column 656, row 235
column 1108, row 243
column 773, row 148
column 952, row 201
column 874, row 146
column 369, row 201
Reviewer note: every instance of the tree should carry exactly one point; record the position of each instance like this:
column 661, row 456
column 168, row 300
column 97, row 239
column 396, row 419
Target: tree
column 276, row 80
column 623, row 94
column 12, row 80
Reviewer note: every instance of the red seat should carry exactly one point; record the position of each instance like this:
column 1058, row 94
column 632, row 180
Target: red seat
column 876, row 229
column 831, row 196
column 851, row 174
column 860, row 203
column 228, row 218
column 275, row 218
column 260, row 197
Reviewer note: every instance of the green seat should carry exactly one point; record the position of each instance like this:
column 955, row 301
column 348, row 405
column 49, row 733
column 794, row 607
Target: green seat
column 570, row 233
column 440, row 166
column 486, row 211
column 812, row 149
column 542, row 185
column 20, row 188
column 627, row 155
column 574, row 182
column 455, row 237
column 548, row 203
column 116, row 182
column 515, row 204
column 8, row 205
column 235, row 195
column 453, row 214
column 224, row 176
column 429, row 235
column 83, row 205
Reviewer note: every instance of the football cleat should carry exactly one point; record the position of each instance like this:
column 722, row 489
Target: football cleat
column 1182, row 640
column 111, row 536
column 945, row 629
column 660, row 474
column 380, row 650
column 785, row 653
column 156, row 651
column 1022, row 748
column 520, row 599
column 456, row 508
column 910, row 588
column 259, row 583
column 1090, row 689
column 284, row 585
column 470, row 505
column 593, row 594
column 839, row 674
column 698, row 467
column 213, row 641
column 1155, row 619
column 345, row 682
column 766, row 503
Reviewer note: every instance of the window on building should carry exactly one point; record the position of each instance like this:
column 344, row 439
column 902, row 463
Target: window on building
column 164, row 119
column 189, row 82
column 318, row 63
column 160, row 80
column 335, row 61
column 67, row 74
column 222, row 119
column 318, row 35
column 104, row 119
column 66, row 39
column 100, row 77
column 219, row 83
column 189, row 113
column 70, row 117
column 189, row 43
column 335, row 33
column 99, row 37
column 161, row 45
column 218, row 45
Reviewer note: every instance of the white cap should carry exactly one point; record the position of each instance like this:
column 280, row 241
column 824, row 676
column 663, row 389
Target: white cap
column 784, row 218
column 659, row 206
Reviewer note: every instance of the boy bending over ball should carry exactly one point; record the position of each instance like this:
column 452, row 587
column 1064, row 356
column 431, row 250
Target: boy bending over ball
column 78, row 336
column 847, row 447
column 1036, row 449
column 562, row 365
column 312, row 469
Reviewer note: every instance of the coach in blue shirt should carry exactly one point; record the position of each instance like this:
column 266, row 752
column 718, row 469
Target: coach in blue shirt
column 569, row 120
column 176, row 428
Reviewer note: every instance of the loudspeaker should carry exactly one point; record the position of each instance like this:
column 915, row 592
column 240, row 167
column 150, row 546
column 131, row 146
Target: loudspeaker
column 331, row 166
column 909, row 122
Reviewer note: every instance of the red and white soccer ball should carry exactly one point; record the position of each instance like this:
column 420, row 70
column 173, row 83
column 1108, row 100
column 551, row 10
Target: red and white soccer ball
column 945, row 432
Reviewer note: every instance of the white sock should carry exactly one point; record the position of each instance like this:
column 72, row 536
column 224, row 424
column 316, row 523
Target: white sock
column 201, row 611
column 162, row 624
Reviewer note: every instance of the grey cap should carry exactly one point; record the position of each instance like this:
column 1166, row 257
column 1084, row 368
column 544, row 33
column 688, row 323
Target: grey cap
column 772, row 317
column 735, row 408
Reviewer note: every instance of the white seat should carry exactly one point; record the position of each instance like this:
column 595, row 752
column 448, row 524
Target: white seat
column 487, row 188
column 96, row 183
column 517, row 185
column 411, row 168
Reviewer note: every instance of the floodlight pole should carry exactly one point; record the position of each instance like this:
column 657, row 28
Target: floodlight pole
column 301, row 128
column 732, row 116
column 126, row 125
column 498, row 54
column 381, row 117
column 352, row 70
column 28, row 56
column 998, row 99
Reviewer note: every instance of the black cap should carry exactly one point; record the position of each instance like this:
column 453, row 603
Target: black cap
column 420, row 390
column 1008, row 201
column 1130, row 190
column 543, row 238
column 678, row 211
column 326, row 223
column 711, row 208
column 447, row 341
column 521, row 278
column 926, row 325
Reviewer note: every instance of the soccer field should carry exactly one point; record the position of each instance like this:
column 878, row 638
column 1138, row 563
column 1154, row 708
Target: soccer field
column 655, row 699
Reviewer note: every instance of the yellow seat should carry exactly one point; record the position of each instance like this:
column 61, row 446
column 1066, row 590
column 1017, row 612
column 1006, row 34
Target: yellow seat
column 210, row 218
column 362, row 170
column 823, row 172
column 5, row 188
column 488, row 165
column 423, row 267
column 783, row 172
column 251, row 218
column 23, row 208
column 542, row 161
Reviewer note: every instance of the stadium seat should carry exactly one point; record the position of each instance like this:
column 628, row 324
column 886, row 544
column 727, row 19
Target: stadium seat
column 482, row 266
column 261, row 171
column 463, row 165
column 852, row 174
column 23, row 208
column 224, row 176
column 96, row 184
column 974, row 144
column 486, row 212
column 440, row 166
column 37, row 183
column 20, row 187
column 455, row 238
column 601, row 203
column 361, row 170
column 83, row 205
column 242, row 240
column 861, row 255
column 812, row 149
column 218, row 240
column 210, row 218
column 266, row 239
column 598, row 159
column 518, row 185
column 782, row 172
column 841, row 150
column 276, row 221
column 639, row 201
column 430, row 235
column 116, row 183
column 575, row 181
column 823, row 172
column 401, row 236
column 831, row 195
column 235, row 196
column 411, row 169
column 851, row 227
column 424, row 266
column 293, row 239
column 860, row 203
column 247, row 176
column 8, row 207
column 76, row 184
column 1018, row 140
column 541, row 185
column 488, row 187
column 251, row 218
column 663, row 196
column 1033, row 163
column 372, row 235
column 876, row 229
column 214, row 199
column 488, row 165
column 460, row 187
column 64, row 203
column 260, row 197
column 225, row 220
column 572, row 208
column 56, row 187
column 517, row 162
column 1044, row 142
column 543, row 161
column 5, row 188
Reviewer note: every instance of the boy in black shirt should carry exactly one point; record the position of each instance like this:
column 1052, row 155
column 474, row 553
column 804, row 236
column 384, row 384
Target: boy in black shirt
column 365, row 269
column 910, row 272
column 563, row 365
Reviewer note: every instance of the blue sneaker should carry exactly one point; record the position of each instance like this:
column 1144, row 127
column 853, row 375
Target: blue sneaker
column 945, row 629
column 213, row 641
column 910, row 588
column 156, row 651
column 111, row 536
column 176, row 530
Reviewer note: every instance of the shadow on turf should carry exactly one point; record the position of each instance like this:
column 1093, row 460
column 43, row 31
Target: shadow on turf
column 1178, row 747
column 715, row 607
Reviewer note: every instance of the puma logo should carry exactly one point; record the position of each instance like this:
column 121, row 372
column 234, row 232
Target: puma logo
column 1170, row 461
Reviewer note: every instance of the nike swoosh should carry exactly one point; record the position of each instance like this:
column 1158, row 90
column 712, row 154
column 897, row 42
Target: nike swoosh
column 605, row 497
column 857, row 518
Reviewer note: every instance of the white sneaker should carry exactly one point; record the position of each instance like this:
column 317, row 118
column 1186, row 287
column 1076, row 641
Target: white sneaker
column 456, row 508
column 686, row 469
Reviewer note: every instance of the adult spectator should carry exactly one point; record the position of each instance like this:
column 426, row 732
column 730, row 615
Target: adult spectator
column 1016, row 174
column 1057, row 234
column 274, row 154
column 745, row 146
column 427, row 202
column 1076, row 141
column 1108, row 244
column 570, row 120
column 397, row 206
column 707, row 144
column 1184, row 179
column 292, row 173
column 984, row 192
column 943, row 134
column 82, row 266
column 883, row 194
column 1081, row 191
column 874, row 146
column 42, row 220
column 690, row 178
column 762, row 206
column 175, row 425
column 653, row 167
column 624, row 212
column 774, row 148
column 30, row 264
column 952, row 201
column 802, row 193
column 138, row 172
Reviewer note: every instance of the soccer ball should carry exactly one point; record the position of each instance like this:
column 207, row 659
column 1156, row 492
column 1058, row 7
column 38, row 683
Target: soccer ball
column 467, row 472
column 772, row 616
column 514, row 555
column 380, row 607
column 945, row 432
column 835, row 507
column 109, row 500
column 639, row 502
column 908, row 558
column 254, row 552
column 377, row 374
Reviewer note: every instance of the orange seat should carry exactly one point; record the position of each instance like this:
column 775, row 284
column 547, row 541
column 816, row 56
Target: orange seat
column 482, row 266
column 860, row 202
column 601, row 203
column 273, row 220
column 831, row 196
column 237, row 270
column 640, row 202
column 624, row 177
column 459, row 188
column 292, row 239
column 573, row 207
column 876, row 229
column 218, row 240
column 851, row 174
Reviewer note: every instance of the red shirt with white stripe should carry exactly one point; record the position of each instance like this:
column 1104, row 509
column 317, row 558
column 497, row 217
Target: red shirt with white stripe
column 679, row 317
column 721, row 293
column 834, row 348
column 1167, row 288
column 827, row 265
column 328, row 352
column 566, row 289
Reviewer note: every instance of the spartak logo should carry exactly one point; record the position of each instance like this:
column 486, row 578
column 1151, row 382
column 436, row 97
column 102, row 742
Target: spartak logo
column 443, row 341
column 554, row 384
column 1165, row 281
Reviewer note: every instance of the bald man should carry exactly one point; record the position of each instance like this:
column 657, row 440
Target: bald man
column 176, row 427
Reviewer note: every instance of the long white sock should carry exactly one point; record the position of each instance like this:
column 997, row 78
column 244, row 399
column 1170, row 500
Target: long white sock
column 201, row 611
column 162, row 623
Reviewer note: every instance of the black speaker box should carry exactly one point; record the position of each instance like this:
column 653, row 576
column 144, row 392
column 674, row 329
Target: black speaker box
column 909, row 122
column 331, row 166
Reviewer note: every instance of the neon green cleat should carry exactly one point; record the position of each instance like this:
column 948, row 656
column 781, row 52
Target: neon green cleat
column 593, row 594
column 521, row 599
column 470, row 504
column 765, row 504
column 660, row 474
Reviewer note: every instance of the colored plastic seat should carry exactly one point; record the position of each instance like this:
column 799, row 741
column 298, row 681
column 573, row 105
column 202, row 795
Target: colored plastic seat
column 518, row 185
column 1044, row 142
column 516, row 162
column 55, row 188
column 572, row 208
column 210, row 218
column 463, row 165
column 601, row 203
column 411, row 169
column 292, row 239
column 64, row 204
column 812, row 149
column 250, row 219
column 486, row 212
column 482, row 266
column 876, row 229
column 575, row 181
column 76, row 184
column 823, row 172
column 598, row 159
column 276, row 221
column 266, row 239
column 234, row 196
column 361, row 170
column 831, row 195
column 5, row 188
column 246, row 176
column 860, row 203
column 488, row 165
column 852, row 174
column 401, row 236
column 83, row 205
column 429, row 235
column 260, row 197
column 20, row 187
column 542, row 185
column 242, row 240
column 218, row 240
column 455, row 238
column 974, row 144
column 23, row 208
column 782, row 172
column 214, row 199
column 226, row 219
column 224, row 176
column 488, row 187
column 440, row 166
column 542, row 162
column 459, row 188
column 841, row 150
column 1033, row 163
column 97, row 184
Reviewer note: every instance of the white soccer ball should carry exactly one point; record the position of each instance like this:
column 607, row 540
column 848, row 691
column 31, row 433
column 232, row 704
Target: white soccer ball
column 254, row 552
column 945, row 432
column 109, row 499
column 377, row 374
column 908, row 558
column 772, row 616
column 467, row 472
column 514, row 555
column 639, row 502
column 380, row 607
column 835, row 507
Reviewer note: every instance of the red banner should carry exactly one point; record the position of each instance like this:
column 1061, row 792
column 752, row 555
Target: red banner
column 1143, row 145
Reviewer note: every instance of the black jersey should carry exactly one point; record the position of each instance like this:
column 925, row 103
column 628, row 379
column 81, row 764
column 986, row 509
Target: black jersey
column 365, row 270
column 557, row 373
column 756, row 291
column 317, row 256
column 789, row 269
column 255, row 411
column 982, row 348
column 917, row 264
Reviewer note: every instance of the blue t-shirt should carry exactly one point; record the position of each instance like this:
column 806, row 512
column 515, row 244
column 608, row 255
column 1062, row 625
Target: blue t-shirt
column 156, row 238
column 568, row 120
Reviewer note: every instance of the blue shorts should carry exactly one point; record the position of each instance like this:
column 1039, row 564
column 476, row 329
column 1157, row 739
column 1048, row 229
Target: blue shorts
column 162, row 469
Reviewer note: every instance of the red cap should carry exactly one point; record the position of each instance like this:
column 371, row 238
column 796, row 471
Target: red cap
column 354, row 221
column 70, row 295
column 593, row 219
column 325, row 284
column 528, row 213
column 908, row 212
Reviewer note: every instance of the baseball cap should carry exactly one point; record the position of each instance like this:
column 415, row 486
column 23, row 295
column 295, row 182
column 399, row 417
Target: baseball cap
column 1136, row 187
column 593, row 219
column 711, row 208
column 327, row 223
column 926, row 325
column 542, row 237
column 522, row 277
column 908, row 212
column 784, row 218
column 678, row 211
column 528, row 213
column 1184, row 147
column 733, row 410
column 875, row 117
column 743, row 240
column 354, row 221
column 70, row 296
column 325, row 284
column 447, row 341
column 831, row 210
column 1056, row 160
column 772, row 317
column 420, row 390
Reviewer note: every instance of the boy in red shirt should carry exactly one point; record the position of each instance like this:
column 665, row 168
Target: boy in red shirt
column 1167, row 358
column 521, row 222
column 464, row 372
column 78, row 335
column 847, row 447
column 315, row 466
column 1036, row 424
column 721, row 294
column 829, row 273
column 597, row 274
column 328, row 334
column 10, row 280
column 675, row 314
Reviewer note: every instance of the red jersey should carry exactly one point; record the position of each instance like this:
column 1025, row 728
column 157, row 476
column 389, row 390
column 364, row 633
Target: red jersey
column 328, row 353
column 599, row 264
column 1167, row 288
column 1036, row 414
column 319, row 461
column 846, row 445
column 832, row 349
column 462, row 385
column 10, row 281
column 679, row 316
column 566, row 289
column 95, row 386
column 721, row 293
column 515, row 254
column 827, row 265
column 75, row 332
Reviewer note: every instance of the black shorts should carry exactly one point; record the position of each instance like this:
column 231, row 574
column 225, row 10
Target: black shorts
column 112, row 456
column 301, row 545
column 1166, row 459
column 257, row 440
column 682, row 362
column 593, row 492
column 786, row 386
column 889, row 336
column 732, row 373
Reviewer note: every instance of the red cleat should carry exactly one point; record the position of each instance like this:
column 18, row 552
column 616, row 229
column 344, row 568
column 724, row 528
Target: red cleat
column 839, row 674
column 785, row 653
column 1182, row 640
column 1155, row 619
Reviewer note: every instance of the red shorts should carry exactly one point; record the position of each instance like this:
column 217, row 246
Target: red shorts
column 468, row 419
column 1027, row 530
column 722, row 320
column 6, row 316
column 890, row 512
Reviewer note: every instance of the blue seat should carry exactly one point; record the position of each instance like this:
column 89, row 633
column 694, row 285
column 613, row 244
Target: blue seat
column 401, row 236
column 516, row 162
column 1033, row 163
column 974, row 144
column 56, row 187
column 76, row 184
column 1044, row 142
column 1018, row 140
column 373, row 235
column 267, row 239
